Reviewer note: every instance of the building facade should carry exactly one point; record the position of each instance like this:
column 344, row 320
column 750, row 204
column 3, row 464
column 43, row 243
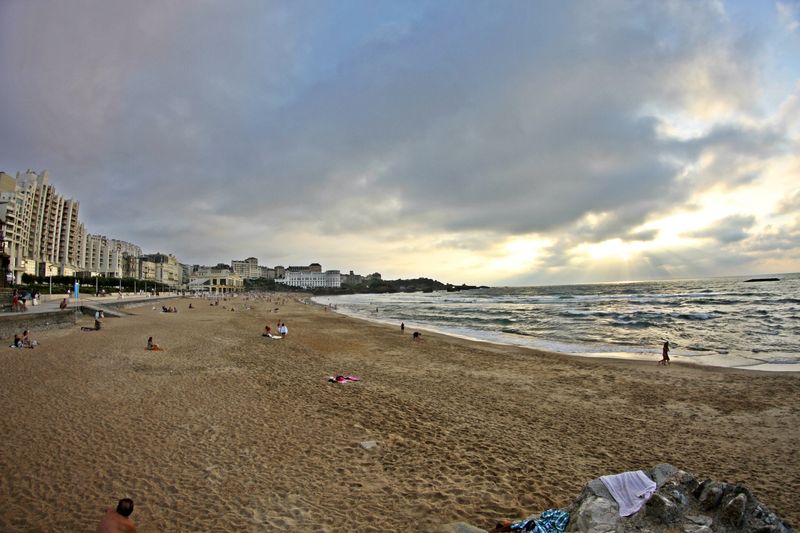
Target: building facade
column 42, row 229
column 247, row 269
column 162, row 268
column 307, row 279
column 211, row 283
column 101, row 256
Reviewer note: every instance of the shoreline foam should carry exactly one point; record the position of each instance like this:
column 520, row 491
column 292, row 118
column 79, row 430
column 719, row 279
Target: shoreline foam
column 641, row 355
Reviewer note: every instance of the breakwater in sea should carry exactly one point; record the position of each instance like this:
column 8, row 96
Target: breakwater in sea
column 717, row 321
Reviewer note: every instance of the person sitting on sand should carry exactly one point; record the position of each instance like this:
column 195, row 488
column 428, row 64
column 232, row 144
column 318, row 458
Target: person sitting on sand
column 283, row 330
column 664, row 354
column 191, row 306
column 63, row 304
column 17, row 342
column 417, row 336
column 267, row 331
column 152, row 346
column 27, row 342
column 116, row 520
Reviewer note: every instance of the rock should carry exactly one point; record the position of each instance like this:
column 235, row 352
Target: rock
column 595, row 515
column 662, row 472
column 733, row 512
column 711, row 495
column 662, row 509
column 369, row 444
column 700, row 520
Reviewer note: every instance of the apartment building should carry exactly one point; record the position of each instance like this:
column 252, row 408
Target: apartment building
column 102, row 256
column 42, row 229
column 163, row 268
column 247, row 269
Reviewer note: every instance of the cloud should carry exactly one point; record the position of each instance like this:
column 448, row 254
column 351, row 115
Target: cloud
column 276, row 129
column 729, row 229
column 789, row 14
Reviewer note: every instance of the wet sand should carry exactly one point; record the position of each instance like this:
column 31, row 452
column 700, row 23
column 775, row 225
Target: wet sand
column 226, row 430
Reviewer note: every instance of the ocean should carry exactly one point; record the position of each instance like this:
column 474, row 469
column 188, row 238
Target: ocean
column 718, row 321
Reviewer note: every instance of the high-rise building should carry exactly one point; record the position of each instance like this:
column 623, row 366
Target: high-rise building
column 41, row 227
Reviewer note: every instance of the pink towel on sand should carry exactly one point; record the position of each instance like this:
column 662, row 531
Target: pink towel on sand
column 343, row 379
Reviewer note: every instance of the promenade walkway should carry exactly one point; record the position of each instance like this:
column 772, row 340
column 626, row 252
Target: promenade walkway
column 106, row 303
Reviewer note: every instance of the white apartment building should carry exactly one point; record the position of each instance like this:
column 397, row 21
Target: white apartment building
column 107, row 257
column 42, row 230
column 307, row 279
column 247, row 269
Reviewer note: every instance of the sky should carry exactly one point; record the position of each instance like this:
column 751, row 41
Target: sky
column 481, row 142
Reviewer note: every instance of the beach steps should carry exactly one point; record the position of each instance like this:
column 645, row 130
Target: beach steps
column 90, row 308
column 6, row 296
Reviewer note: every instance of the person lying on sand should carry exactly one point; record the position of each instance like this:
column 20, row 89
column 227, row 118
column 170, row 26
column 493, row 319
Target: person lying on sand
column 152, row 346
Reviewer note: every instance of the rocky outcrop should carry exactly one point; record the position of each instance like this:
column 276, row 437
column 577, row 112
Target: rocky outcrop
column 681, row 503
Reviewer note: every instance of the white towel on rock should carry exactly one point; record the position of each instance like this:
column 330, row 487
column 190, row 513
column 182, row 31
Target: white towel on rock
column 630, row 489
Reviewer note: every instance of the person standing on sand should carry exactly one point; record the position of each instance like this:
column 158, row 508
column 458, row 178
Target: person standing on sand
column 402, row 327
column 664, row 354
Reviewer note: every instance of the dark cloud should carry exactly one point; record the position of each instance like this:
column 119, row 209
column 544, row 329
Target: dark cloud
column 727, row 230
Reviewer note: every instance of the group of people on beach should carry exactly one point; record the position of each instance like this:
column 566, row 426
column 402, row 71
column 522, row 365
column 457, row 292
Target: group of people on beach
column 282, row 330
column 416, row 336
column 19, row 300
column 169, row 309
column 23, row 342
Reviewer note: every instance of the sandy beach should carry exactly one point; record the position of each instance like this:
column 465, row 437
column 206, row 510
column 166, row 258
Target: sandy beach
column 226, row 430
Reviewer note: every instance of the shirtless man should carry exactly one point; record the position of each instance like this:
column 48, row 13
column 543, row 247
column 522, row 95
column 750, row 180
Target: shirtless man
column 116, row 520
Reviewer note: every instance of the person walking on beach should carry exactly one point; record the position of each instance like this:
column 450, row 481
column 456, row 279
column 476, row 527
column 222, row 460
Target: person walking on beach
column 664, row 354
